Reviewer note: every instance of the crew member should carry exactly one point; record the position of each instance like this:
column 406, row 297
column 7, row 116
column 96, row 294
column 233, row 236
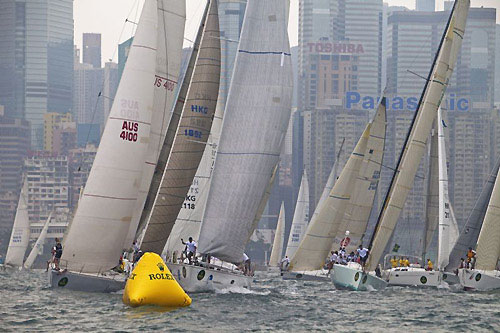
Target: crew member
column 430, row 266
column 191, row 248
column 284, row 263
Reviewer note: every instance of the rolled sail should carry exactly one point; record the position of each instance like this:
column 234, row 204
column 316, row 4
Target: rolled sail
column 300, row 218
column 415, row 145
column 432, row 202
column 255, row 122
column 190, row 138
column 279, row 239
column 102, row 219
column 169, row 37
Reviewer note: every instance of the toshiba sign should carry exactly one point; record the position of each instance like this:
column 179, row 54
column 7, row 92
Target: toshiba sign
column 335, row 47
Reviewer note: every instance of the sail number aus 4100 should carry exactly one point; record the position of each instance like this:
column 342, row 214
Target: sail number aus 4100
column 129, row 131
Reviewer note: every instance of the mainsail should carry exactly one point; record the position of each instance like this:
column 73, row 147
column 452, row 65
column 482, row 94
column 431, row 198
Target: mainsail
column 104, row 212
column 366, row 185
column 255, row 122
column 488, row 243
column 470, row 232
column 321, row 231
column 279, row 239
column 300, row 218
column 416, row 141
column 38, row 247
column 170, row 37
column 190, row 138
column 188, row 221
column 448, row 227
column 20, row 236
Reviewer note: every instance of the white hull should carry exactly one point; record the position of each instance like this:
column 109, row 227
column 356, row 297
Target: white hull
column 473, row 279
column 413, row 277
column 87, row 282
column 353, row 278
column 201, row 279
column 321, row 276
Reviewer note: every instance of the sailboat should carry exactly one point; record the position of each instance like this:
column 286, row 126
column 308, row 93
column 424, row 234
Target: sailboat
column 413, row 150
column 19, row 238
column 255, row 121
column 300, row 218
column 101, row 224
column 38, row 247
column 279, row 240
column 447, row 224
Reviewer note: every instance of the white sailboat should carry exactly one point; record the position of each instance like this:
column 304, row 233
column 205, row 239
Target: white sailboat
column 104, row 215
column 279, row 239
column 413, row 150
column 20, row 236
column 447, row 225
column 255, row 122
column 300, row 218
column 38, row 247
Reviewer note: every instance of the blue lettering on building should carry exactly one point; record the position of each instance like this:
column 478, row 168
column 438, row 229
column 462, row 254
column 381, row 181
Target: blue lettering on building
column 354, row 99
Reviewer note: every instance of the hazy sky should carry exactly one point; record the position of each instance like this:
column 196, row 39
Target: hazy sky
column 108, row 18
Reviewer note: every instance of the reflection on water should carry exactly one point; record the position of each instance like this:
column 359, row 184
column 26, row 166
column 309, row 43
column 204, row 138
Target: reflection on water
column 272, row 304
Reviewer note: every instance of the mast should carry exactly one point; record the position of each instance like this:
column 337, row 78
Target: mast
column 190, row 138
column 279, row 239
column 416, row 140
column 20, row 236
column 300, row 218
column 255, row 123
column 103, row 217
column 38, row 247
column 170, row 37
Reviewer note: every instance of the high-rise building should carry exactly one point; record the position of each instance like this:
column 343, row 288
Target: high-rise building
column 110, row 86
column 425, row 5
column 48, row 61
column 88, row 100
column 14, row 146
column 123, row 50
column 497, row 67
column 53, row 121
column 92, row 49
column 80, row 162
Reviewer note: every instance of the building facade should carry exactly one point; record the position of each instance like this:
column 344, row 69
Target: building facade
column 92, row 49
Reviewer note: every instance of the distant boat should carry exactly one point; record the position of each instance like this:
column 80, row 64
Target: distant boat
column 103, row 219
column 413, row 150
column 279, row 239
column 38, row 247
column 256, row 117
column 300, row 218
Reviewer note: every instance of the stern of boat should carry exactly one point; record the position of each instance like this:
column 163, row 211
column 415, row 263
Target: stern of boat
column 353, row 278
column 86, row 282
column 472, row 279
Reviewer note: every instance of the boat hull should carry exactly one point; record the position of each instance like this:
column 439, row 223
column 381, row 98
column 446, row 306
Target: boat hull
column 86, row 282
column 305, row 276
column 353, row 278
column 473, row 279
column 412, row 277
column 202, row 279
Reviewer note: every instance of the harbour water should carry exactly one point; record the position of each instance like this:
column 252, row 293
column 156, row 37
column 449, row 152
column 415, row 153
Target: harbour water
column 28, row 304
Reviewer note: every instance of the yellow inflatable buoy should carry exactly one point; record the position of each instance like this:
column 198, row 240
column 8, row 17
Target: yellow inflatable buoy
column 151, row 283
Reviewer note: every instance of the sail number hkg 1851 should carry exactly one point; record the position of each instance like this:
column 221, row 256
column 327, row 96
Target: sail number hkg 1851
column 129, row 131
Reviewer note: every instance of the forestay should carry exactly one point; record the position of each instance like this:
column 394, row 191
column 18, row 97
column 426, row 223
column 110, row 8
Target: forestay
column 38, row 247
column 315, row 246
column 415, row 145
column 20, row 236
column 190, row 138
column 470, row 232
column 432, row 202
column 170, row 37
column 255, row 122
column 448, row 227
column 279, row 239
column 300, row 218
column 365, row 187
column 102, row 220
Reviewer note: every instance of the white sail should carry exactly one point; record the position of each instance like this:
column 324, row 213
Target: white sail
column 279, row 239
column 300, row 218
column 102, row 220
column 432, row 202
column 190, row 138
column 366, row 184
column 315, row 246
column 20, row 236
column 470, row 231
column 188, row 221
column 415, row 145
column 255, row 122
column 448, row 227
column 38, row 247
column 170, row 37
